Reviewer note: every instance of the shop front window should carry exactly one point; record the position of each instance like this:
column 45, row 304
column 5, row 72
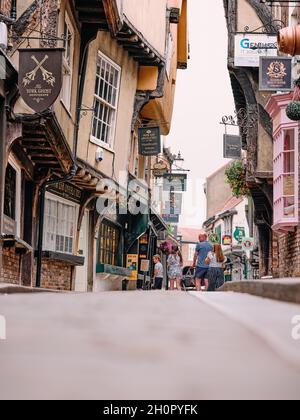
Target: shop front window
column 12, row 198
column 10, row 192
column 59, row 230
column 109, row 244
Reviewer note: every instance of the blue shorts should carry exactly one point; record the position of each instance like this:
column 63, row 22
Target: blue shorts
column 202, row 273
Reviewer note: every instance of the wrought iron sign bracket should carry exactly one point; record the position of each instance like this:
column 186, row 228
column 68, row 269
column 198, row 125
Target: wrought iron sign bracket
column 245, row 120
column 84, row 111
column 272, row 28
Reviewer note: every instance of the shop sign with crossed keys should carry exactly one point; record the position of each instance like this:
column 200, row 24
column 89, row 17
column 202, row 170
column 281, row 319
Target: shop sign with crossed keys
column 40, row 77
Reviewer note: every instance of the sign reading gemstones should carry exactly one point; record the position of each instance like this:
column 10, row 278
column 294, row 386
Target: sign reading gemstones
column 40, row 77
column 149, row 141
column 249, row 47
column 275, row 74
column 232, row 147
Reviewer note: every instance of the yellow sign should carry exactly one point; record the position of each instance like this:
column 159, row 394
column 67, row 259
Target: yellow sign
column 132, row 265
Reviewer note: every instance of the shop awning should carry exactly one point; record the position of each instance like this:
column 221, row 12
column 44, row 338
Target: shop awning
column 157, row 221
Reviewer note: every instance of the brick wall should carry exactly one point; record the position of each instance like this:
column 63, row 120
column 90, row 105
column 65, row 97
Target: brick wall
column 10, row 271
column 56, row 275
column 286, row 255
column 5, row 7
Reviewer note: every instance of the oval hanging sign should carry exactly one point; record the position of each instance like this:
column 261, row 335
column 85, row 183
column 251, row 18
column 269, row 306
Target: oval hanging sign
column 40, row 77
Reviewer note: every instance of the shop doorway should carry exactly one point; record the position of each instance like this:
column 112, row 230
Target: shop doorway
column 81, row 282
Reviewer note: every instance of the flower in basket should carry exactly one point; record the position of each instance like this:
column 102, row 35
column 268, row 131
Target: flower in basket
column 166, row 247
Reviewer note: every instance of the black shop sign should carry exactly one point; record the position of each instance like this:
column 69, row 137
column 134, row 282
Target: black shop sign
column 275, row 74
column 149, row 141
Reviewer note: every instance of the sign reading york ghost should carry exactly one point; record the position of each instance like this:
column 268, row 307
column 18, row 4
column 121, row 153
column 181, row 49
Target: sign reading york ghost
column 40, row 77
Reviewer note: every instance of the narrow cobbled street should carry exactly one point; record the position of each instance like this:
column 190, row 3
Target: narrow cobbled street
column 154, row 345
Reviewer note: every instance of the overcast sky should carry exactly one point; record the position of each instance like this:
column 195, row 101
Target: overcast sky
column 203, row 96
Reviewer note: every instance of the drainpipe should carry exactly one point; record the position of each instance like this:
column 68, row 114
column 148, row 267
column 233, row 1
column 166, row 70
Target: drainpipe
column 73, row 170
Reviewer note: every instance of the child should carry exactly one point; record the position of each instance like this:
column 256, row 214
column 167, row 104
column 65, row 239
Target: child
column 158, row 273
column 215, row 260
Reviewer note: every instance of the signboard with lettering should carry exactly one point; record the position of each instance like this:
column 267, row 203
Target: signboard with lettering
column 132, row 265
column 232, row 147
column 275, row 74
column 145, row 266
column 40, row 76
column 149, row 141
column 175, row 182
column 250, row 47
column 67, row 191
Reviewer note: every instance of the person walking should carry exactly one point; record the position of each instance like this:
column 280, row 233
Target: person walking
column 158, row 273
column 175, row 263
column 202, row 250
column 215, row 260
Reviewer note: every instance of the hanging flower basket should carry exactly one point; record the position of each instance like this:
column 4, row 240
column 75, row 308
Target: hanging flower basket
column 293, row 111
column 236, row 178
column 293, row 108
column 166, row 247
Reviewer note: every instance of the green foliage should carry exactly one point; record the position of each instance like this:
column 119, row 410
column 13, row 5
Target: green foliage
column 293, row 111
column 236, row 178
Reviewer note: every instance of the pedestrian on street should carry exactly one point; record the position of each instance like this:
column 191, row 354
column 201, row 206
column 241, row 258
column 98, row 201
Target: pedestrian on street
column 202, row 250
column 158, row 273
column 175, row 264
column 216, row 260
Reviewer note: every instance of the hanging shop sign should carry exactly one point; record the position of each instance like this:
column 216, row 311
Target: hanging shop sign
column 239, row 234
column 160, row 169
column 232, row 147
column 275, row 74
column 149, row 141
column 227, row 240
column 175, row 182
column 40, row 77
column 132, row 265
column 248, row 244
column 250, row 47
column 171, row 218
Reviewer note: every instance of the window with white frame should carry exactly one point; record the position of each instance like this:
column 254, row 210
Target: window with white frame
column 67, row 62
column 106, row 100
column 60, row 225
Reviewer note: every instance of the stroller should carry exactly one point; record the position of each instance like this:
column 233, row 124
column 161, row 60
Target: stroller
column 188, row 279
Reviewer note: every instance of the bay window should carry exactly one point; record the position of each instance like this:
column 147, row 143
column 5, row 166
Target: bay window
column 60, row 225
column 286, row 178
column 109, row 241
